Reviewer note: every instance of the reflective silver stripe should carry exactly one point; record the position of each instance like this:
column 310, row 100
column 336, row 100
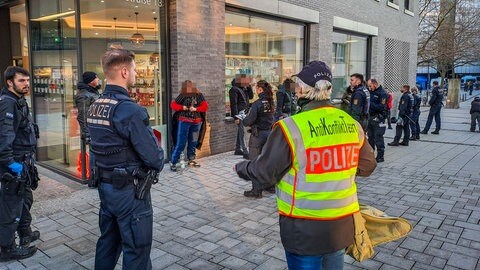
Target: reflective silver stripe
column 317, row 205
column 315, row 187
column 300, row 151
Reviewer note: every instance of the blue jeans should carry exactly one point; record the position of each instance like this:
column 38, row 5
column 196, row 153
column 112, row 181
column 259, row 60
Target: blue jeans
column 240, row 145
column 331, row 261
column 187, row 132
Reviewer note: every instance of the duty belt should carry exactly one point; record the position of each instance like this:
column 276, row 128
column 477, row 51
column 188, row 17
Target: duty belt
column 106, row 176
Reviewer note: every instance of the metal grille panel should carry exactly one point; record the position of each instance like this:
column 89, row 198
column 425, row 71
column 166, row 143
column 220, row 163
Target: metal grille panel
column 397, row 55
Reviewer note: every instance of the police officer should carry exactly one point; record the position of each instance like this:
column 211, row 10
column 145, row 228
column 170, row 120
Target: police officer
column 405, row 109
column 359, row 105
column 414, row 125
column 286, row 100
column 260, row 118
column 436, row 103
column 376, row 118
column 87, row 94
column 124, row 145
column 18, row 176
column 316, row 213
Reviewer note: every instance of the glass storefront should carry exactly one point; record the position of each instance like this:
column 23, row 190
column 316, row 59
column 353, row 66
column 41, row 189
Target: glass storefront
column 61, row 53
column 262, row 48
column 349, row 55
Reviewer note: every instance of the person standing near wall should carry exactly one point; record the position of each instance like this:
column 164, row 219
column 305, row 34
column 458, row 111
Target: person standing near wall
column 376, row 118
column 405, row 109
column 18, row 174
column 87, row 94
column 190, row 106
column 239, row 101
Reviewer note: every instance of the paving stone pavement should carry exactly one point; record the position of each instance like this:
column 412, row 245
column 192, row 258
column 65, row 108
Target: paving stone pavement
column 202, row 221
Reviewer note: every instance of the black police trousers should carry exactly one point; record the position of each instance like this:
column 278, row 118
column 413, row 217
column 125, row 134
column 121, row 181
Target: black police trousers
column 126, row 225
column 405, row 128
column 375, row 131
column 14, row 215
column 255, row 146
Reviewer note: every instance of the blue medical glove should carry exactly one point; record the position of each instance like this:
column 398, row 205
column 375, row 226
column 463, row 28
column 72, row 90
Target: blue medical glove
column 16, row 167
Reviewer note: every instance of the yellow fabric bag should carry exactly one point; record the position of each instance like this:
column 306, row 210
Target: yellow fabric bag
column 378, row 227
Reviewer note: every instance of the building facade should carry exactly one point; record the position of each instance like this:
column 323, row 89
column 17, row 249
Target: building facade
column 205, row 41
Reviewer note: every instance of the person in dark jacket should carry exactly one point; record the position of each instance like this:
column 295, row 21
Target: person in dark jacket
column 189, row 104
column 18, row 174
column 309, row 242
column 127, row 154
column 405, row 109
column 414, row 124
column 286, row 100
column 359, row 105
column 86, row 95
column 239, row 96
column 376, row 118
column 260, row 118
column 475, row 114
column 436, row 103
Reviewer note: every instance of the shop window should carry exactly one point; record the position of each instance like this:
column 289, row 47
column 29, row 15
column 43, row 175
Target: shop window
column 349, row 55
column 261, row 48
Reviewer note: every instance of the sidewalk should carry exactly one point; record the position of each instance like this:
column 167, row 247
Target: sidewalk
column 202, row 221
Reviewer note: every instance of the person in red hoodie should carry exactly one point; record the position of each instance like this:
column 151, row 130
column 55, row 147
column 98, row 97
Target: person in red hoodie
column 190, row 106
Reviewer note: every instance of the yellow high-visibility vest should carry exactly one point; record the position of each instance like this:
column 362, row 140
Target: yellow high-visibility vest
column 320, row 184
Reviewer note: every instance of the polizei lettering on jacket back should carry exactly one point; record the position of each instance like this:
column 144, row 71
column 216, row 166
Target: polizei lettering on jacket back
column 326, row 127
column 333, row 158
column 100, row 111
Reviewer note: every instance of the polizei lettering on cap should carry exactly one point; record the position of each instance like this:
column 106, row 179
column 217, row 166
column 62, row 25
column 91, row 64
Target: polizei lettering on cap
column 333, row 158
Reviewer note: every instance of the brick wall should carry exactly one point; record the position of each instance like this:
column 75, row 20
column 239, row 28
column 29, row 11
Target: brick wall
column 197, row 33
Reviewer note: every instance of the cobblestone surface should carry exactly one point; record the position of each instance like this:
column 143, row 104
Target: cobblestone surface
column 202, row 221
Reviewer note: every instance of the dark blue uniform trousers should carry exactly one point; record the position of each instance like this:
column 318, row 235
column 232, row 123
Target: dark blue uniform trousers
column 126, row 226
column 434, row 113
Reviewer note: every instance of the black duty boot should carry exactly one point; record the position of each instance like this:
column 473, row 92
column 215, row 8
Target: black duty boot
column 29, row 238
column 404, row 143
column 413, row 138
column 270, row 189
column 16, row 253
column 394, row 143
column 417, row 137
column 238, row 153
column 424, row 132
column 436, row 132
column 253, row 194
column 173, row 167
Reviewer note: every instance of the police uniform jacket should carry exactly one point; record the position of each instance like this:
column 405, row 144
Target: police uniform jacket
column 417, row 101
column 120, row 132
column 437, row 97
column 475, row 105
column 298, row 235
column 405, row 106
column 284, row 102
column 359, row 103
column 378, row 102
column 260, row 114
column 18, row 135
column 85, row 97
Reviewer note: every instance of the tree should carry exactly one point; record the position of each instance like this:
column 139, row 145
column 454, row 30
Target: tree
column 448, row 34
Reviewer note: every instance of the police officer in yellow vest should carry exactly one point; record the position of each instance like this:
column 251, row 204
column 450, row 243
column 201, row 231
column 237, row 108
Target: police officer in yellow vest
column 315, row 182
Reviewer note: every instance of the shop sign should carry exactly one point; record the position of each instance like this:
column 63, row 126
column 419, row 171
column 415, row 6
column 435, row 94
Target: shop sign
column 147, row 2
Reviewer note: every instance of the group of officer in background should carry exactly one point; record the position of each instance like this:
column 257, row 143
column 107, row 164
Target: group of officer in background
column 368, row 104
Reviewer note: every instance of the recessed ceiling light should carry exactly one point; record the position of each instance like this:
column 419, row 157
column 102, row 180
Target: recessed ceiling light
column 154, row 12
column 102, row 1
column 96, row 33
column 230, row 24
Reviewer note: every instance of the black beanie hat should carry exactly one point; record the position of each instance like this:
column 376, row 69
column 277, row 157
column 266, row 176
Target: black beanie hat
column 88, row 77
